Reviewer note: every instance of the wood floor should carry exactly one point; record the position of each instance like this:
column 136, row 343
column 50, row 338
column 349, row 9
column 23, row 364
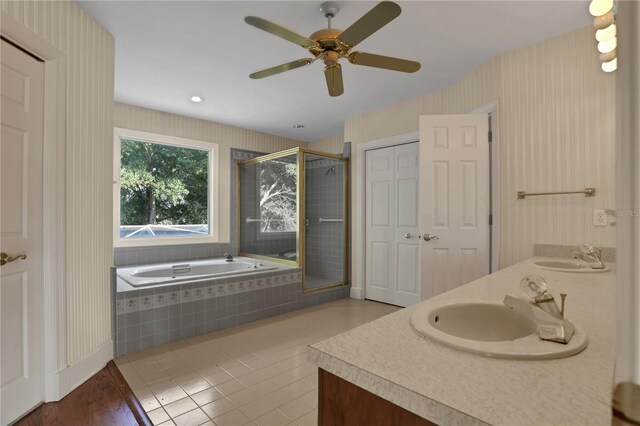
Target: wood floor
column 104, row 399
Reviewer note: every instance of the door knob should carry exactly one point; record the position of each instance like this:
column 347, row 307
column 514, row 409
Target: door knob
column 5, row 258
column 408, row 236
column 429, row 237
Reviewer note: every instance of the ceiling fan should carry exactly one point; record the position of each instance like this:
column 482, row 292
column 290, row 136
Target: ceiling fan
column 331, row 44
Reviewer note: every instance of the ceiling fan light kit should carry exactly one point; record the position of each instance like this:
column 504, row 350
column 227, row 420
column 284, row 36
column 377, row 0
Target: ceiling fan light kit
column 330, row 44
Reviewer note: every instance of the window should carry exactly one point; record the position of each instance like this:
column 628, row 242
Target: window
column 164, row 189
column 277, row 195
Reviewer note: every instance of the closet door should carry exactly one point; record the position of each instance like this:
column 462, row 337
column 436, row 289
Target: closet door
column 392, row 225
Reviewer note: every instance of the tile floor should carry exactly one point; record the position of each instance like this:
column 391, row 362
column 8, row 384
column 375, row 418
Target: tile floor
column 255, row 374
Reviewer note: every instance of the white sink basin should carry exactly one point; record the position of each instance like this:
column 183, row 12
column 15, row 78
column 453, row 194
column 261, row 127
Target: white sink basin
column 491, row 329
column 566, row 265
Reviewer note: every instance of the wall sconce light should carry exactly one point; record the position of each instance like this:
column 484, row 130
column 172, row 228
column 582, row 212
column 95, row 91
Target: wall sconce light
column 609, row 56
column 600, row 22
column 610, row 66
column 606, row 33
column 600, row 7
column 608, row 46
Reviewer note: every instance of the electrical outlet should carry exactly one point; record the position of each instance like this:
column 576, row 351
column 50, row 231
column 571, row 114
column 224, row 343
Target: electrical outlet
column 600, row 218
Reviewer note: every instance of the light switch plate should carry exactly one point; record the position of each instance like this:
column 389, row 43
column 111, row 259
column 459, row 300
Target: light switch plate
column 600, row 218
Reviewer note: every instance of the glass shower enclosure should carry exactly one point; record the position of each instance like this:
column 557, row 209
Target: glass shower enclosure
column 293, row 210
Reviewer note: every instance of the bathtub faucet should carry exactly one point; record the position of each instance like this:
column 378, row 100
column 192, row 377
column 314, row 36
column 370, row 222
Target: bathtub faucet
column 228, row 257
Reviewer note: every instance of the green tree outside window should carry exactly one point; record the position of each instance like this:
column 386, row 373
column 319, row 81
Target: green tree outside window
column 163, row 184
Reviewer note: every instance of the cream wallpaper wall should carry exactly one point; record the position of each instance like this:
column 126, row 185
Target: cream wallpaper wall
column 227, row 137
column 332, row 144
column 90, row 61
column 557, row 130
column 556, row 113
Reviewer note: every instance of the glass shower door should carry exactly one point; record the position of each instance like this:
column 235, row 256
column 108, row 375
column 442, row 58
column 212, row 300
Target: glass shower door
column 268, row 220
column 325, row 221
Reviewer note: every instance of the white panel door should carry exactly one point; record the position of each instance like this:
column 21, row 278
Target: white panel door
column 21, row 287
column 392, row 215
column 454, row 175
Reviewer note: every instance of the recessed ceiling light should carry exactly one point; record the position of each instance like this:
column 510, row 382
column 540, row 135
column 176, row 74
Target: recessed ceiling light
column 197, row 99
column 298, row 126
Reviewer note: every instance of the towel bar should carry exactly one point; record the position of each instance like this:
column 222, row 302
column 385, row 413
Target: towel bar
column 588, row 192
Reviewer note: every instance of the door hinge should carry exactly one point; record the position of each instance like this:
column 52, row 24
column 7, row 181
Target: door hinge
column 490, row 136
column 490, row 220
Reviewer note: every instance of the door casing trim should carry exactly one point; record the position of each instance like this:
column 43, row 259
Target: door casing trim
column 491, row 109
column 54, row 200
column 358, row 288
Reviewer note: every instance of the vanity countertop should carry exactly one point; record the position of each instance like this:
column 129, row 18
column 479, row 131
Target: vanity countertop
column 446, row 386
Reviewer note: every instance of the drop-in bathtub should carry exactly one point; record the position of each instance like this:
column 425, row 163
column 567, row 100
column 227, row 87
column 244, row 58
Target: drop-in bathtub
column 171, row 273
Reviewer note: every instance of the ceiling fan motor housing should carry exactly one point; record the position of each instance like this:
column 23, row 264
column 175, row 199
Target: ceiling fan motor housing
column 327, row 39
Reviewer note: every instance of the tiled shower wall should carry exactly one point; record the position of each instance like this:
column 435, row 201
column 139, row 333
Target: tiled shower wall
column 156, row 316
column 325, row 199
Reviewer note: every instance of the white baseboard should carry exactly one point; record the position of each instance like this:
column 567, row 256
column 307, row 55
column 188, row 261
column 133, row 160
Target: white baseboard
column 75, row 375
column 356, row 293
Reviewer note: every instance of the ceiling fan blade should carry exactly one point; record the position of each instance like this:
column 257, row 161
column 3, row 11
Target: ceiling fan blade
column 281, row 68
column 386, row 62
column 383, row 13
column 280, row 31
column 333, row 75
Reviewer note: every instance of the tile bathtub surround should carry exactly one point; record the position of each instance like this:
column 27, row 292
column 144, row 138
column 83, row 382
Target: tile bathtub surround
column 551, row 250
column 151, row 317
column 255, row 373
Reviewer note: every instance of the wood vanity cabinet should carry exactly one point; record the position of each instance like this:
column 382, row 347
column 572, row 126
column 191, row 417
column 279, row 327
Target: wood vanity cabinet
column 341, row 403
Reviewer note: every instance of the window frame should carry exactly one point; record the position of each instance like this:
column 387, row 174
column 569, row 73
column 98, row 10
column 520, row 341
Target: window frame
column 212, row 185
column 275, row 235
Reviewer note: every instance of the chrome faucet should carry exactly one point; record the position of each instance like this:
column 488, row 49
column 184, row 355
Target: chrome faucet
column 551, row 322
column 228, row 257
column 590, row 254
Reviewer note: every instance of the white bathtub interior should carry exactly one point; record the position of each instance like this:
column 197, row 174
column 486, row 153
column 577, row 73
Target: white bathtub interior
column 171, row 273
